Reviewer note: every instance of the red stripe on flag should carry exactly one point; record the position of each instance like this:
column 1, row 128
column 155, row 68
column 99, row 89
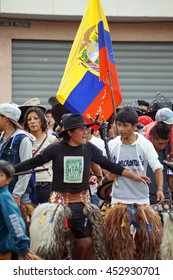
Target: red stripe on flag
column 107, row 107
column 108, row 68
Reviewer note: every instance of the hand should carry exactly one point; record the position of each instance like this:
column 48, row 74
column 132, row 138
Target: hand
column 112, row 177
column 99, row 182
column 93, row 180
column 142, row 178
column 16, row 200
column 160, row 197
column 31, row 256
column 136, row 177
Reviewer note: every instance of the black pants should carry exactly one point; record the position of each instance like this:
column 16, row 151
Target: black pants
column 80, row 224
column 43, row 191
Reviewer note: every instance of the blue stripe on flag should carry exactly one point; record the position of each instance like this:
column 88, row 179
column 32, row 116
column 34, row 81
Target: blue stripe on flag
column 84, row 93
column 105, row 41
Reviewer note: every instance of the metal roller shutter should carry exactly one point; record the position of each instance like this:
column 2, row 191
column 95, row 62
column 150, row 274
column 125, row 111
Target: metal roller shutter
column 143, row 68
column 37, row 69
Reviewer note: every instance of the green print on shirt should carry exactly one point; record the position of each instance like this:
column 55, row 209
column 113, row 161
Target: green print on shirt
column 73, row 169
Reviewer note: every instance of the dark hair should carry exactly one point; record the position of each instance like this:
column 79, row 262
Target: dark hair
column 160, row 131
column 49, row 111
column 7, row 168
column 67, row 137
column 41, row 116
column 127, row 115
column 143, row 102
column 111, row 120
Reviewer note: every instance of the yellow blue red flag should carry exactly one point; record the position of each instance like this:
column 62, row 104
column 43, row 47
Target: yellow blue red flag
column 85, row 86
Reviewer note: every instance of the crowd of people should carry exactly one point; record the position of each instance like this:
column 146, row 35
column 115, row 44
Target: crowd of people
column 65, row 193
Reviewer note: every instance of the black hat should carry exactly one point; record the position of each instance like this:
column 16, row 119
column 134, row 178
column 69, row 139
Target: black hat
column 101, row 192
column 134, row 105
column 158, row 102
column 72, row 121
column 52, row 101
column 58, row 110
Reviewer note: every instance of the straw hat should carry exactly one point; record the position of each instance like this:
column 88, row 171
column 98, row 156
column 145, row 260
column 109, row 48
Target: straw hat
column 101, row 192
column 28, row 104
column 169, row 163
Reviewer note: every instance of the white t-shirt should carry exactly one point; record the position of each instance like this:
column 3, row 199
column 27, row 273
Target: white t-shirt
column 45, row 176
column 98, row 142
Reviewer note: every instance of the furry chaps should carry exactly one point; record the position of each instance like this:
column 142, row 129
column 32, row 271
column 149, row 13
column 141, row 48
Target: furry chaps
column 97, row 227
column 167, row 239
column 122, row 244
column 27, row 211
column 48, row 230
column 148, row 238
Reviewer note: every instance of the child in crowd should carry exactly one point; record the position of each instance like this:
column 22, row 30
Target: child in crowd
column 13, row 239
column 51, row 123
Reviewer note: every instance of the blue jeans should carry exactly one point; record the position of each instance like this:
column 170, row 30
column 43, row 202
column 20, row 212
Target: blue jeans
column 94, row 199
column 132, row 210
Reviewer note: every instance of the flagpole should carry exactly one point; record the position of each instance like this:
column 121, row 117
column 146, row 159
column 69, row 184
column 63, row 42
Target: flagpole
column 103, row 124
column 112, row 95
column 31, row 171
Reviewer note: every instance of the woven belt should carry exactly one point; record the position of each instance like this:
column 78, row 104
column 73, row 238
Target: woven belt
column 161, row 207
column 120, row 204
column 65, row 198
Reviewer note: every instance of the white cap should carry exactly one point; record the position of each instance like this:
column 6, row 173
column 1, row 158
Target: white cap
column 164, row 115
column 11, row 111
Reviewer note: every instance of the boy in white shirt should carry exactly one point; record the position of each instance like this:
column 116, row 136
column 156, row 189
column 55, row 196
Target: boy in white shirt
column 132, row 228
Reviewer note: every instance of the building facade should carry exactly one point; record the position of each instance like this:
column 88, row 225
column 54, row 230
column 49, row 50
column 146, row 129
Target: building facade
column 36, row 37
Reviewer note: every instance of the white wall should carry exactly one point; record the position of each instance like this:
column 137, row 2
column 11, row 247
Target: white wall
column 114, row 8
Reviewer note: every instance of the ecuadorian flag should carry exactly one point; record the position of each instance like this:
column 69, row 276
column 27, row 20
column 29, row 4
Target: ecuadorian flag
column 90, row 81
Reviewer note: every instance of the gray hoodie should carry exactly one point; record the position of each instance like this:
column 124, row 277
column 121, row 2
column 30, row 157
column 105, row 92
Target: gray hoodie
column 134, row 157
